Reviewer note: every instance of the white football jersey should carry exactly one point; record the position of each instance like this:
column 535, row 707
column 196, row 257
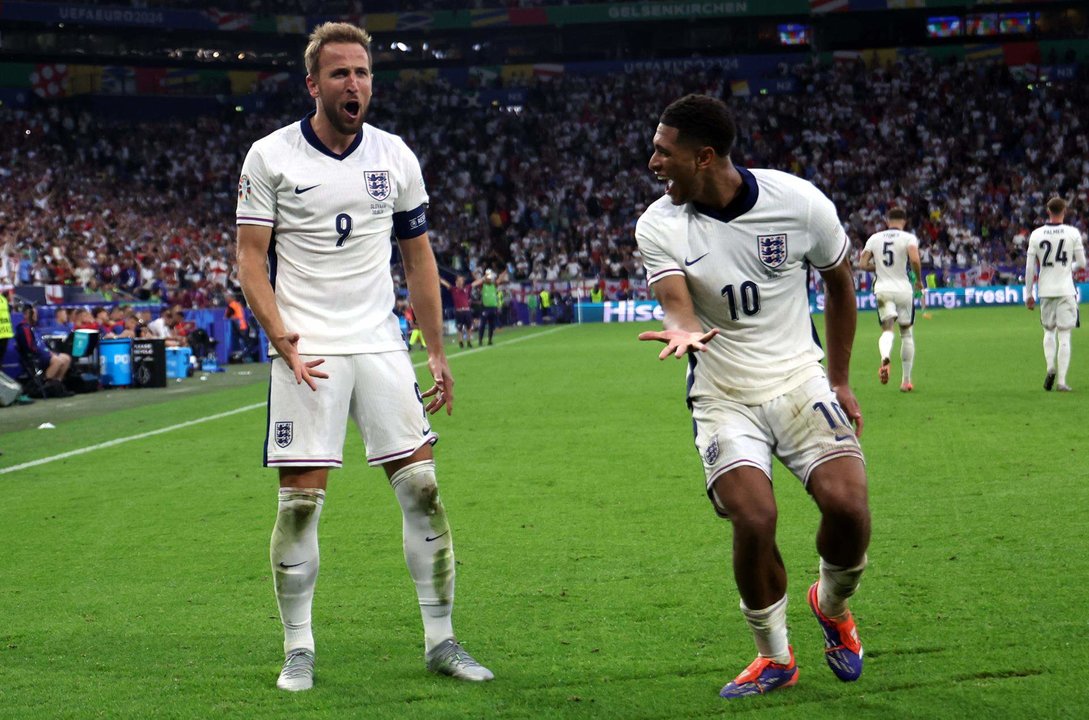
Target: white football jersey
column 746, row 268
column 332, row 223
column 890, row 258
column 1058, row 249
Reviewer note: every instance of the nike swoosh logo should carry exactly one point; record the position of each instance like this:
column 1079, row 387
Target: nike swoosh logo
column 433, row 539
column 690, row 263
column 300, row 191
column 841, row 438
column 285, row 566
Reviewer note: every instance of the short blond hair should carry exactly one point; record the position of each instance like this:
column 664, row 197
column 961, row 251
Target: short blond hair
column 333, row 32
column 1056, row 206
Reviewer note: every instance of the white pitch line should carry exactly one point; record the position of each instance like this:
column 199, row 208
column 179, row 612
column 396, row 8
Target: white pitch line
column 218, row 416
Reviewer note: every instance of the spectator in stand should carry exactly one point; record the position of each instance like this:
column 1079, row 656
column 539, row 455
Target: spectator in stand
column 463, row 314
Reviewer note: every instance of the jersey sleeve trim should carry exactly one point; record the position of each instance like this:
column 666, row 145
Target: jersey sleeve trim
column 251, row 220
column 665, row 272
column 839, row 256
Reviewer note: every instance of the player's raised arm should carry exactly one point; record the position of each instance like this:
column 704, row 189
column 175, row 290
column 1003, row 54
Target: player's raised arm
column 422, row 277
column 840, row 318
column 682, row 332
column 253, row 242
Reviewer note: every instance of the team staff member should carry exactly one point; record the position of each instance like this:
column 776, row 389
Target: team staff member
column 333, row 189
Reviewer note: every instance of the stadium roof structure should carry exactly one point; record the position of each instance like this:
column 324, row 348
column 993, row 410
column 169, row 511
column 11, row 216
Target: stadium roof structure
column 59, row 49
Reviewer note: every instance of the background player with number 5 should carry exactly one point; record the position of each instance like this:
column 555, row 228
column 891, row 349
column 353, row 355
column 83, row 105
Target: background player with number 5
column 888, row 254
column 727, row 251
column 320, row 200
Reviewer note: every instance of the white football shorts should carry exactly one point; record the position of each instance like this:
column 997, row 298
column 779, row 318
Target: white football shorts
column 377, row 390
column 897, row 305
column 803, row 428
column 1059, row 312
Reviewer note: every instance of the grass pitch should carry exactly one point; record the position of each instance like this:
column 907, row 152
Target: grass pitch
column 593, row 576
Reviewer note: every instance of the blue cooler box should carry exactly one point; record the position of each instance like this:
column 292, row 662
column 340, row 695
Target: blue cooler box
column 115, row 362
column 177, row 362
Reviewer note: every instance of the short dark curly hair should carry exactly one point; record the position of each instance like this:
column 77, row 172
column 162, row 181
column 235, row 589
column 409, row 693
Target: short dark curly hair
column 703, row 121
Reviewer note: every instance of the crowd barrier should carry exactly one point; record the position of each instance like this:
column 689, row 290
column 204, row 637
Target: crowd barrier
column 947, row 298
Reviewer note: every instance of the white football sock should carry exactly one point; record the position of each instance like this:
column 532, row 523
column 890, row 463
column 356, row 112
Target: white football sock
column 836, row 586
column 907, row 351
column 1049, row 349
column 294, row 556
column 884, row 344
column 769, row 629
column 429, row 549
column 1064, row 355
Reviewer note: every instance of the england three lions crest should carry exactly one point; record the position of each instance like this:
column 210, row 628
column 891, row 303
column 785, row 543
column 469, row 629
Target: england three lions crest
column 773, row 249
column 377, row 182
column 284, row 433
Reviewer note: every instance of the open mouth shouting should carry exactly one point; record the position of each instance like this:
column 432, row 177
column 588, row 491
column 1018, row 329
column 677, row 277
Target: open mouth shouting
column 353, row 110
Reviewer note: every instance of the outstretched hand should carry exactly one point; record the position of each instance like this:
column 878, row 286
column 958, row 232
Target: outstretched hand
column 287, row 348
column 680, row 342
column 442, row 392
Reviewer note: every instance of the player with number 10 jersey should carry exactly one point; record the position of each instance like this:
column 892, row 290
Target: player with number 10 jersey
column 746, row 267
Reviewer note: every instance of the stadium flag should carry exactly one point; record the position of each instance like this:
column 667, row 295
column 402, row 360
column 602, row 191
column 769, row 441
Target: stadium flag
column 415, row 21
column 291, row 24
column 485, row 73
column 1022, row 53
column 528, row 16
column 243, row 82
column 488, row 18
column 150, row 81
column 819, row 7
column 983, row 53
column 740, row 88
column 426, row 75
column 271, row 82
column 547, row 71
column 846, row 55
column 515, row 73
column 180, row 80
column 378, row 22
column 84, row 79
column 50, row 81
column 118, row 80
column 229, row 20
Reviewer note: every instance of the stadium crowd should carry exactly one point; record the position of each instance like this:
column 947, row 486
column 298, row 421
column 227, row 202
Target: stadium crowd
column 550, row 189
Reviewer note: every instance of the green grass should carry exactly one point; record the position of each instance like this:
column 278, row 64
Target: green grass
column 593, row 576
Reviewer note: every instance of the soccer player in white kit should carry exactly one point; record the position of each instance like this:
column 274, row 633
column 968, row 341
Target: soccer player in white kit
column 1058, row 250
column 895, row 296
column 727, row 251
column 318, row 201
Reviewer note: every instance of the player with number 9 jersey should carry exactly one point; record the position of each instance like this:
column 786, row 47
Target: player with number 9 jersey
column 332, row 216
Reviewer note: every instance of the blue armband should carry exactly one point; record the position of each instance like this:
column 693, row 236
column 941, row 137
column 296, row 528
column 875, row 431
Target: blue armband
column 410, row 223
